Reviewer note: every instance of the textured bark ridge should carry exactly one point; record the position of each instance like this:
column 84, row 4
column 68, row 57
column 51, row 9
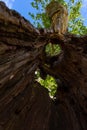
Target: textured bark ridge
column 25, row 104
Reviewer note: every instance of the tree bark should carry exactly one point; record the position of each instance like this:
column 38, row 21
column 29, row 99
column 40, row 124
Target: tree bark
column 24, row 103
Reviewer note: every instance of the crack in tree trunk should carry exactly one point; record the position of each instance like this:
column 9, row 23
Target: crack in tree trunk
column 24, row 103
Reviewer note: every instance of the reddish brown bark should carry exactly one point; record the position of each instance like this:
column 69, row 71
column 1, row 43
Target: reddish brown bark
column 25, row 104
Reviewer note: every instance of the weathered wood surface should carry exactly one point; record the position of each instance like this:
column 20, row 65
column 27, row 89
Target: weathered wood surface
column 69, row 111
column 71, row 108
column 24, row 104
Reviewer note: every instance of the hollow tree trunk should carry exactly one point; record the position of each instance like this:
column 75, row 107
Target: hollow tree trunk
column 25, row 104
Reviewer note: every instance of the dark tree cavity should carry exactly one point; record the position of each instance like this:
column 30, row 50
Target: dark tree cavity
column 24, row 103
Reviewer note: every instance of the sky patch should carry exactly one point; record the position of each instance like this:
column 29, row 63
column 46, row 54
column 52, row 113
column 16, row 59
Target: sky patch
column 84, row 3
column 9, row 3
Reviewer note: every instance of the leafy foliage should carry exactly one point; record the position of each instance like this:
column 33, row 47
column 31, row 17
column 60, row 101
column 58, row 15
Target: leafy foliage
column 52, row 49
column 41, row 19
column 48, row 83
column 76, row 22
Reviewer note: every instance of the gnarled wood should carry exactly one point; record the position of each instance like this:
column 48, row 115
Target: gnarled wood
column 24, row 104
